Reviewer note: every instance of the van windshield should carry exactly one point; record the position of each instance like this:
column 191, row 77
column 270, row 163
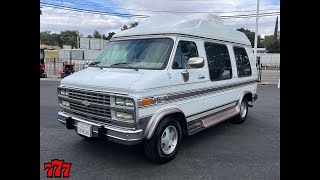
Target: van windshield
column 135, row 54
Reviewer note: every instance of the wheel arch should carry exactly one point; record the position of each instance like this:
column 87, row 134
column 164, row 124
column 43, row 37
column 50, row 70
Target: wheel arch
column 161, row 114
column 244, row 94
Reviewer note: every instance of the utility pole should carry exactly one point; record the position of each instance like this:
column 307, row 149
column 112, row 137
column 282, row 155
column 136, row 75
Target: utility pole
column 78, row 42
column 256, row 32
column 101, row 42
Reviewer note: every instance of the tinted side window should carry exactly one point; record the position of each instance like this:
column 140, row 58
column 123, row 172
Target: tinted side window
column 242, row 61
column 218, row 61
column 185, row 50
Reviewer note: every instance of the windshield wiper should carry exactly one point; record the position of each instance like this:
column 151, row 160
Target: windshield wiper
column 123, row 63
column 94, row 63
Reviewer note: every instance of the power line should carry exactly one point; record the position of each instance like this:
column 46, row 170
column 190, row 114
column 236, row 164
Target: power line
column 144, row 16
column 252, row 15
column 92, row 11
column 163, row 11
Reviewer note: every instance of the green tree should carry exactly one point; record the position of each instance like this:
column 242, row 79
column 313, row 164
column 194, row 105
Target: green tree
column 124, row 27
column 96, row 34
column 69, row 37
column 110, row 34
column 134, row 24
column 104, row 37
column 250, row 35
column 55, row 40
column 50, row 39
column 45, row 37
column 89, row 36
column 272, row 44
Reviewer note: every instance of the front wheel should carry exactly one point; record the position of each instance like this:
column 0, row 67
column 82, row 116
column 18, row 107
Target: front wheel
column 165, row 142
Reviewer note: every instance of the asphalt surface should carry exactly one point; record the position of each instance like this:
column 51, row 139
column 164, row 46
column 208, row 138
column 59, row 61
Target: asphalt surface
column 226, row 151
column 270, row 76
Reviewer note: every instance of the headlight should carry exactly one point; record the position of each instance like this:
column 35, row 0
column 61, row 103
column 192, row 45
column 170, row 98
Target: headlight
column 119, row 101
column 65, row 104
column 128, row 102
column 124, row 102
column 64, row 92
column 123, row 115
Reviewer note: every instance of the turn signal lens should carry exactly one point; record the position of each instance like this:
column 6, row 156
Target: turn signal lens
column 146, row 102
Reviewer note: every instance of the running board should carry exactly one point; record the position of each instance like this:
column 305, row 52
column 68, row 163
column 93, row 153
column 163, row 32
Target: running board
column 211, row 120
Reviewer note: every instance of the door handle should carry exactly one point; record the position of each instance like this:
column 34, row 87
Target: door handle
column 201, row 77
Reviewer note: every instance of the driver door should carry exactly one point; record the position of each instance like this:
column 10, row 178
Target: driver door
column 183, row 93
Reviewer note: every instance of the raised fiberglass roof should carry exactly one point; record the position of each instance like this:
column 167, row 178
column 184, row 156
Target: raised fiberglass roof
column 207, row 26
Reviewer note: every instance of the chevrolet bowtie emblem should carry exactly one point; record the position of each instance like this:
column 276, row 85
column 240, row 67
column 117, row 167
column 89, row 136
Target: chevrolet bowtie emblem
column 86, row 103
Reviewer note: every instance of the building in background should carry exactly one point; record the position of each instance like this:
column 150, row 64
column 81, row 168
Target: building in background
column 90, row 48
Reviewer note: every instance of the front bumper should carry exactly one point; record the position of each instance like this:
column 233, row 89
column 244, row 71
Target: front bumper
column 115, row 134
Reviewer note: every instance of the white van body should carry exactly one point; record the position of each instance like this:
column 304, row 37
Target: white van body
column 88, row 97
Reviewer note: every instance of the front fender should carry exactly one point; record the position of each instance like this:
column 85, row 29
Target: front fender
column 156, row 118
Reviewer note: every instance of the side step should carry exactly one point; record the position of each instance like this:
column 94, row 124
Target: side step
column 208, row 121
column 195, row 127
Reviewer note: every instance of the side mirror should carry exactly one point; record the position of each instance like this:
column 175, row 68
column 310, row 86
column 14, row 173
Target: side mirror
column 196, row 62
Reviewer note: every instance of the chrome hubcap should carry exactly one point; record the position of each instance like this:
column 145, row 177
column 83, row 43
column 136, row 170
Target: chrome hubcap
column 243, row 109
column 169, row 140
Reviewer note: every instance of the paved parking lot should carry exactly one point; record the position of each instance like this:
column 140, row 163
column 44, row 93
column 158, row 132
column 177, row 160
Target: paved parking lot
column 226, row 151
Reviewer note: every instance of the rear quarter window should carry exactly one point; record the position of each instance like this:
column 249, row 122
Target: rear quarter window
column 242, row 61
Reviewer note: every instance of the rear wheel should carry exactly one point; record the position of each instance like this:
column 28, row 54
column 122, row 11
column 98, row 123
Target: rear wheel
column 165, row 142
column 242, row 116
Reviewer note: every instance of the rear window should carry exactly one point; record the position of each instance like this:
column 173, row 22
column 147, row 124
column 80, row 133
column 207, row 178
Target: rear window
column 242, row 61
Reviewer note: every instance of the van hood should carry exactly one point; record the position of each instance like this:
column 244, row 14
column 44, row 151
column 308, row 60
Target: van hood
column 107, row 79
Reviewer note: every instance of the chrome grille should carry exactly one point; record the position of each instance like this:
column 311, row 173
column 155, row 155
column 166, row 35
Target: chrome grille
column 97, row 109
column 90, row 97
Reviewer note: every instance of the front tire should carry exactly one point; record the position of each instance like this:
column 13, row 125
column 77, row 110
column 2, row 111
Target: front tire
column 242, row 116
column 165, row 142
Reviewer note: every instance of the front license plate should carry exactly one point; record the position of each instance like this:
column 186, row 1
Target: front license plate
column 84, row 129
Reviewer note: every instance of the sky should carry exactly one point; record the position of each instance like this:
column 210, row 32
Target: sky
column 57, row 20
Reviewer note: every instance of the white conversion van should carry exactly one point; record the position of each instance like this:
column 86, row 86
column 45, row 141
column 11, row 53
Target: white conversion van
column 168, row 77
